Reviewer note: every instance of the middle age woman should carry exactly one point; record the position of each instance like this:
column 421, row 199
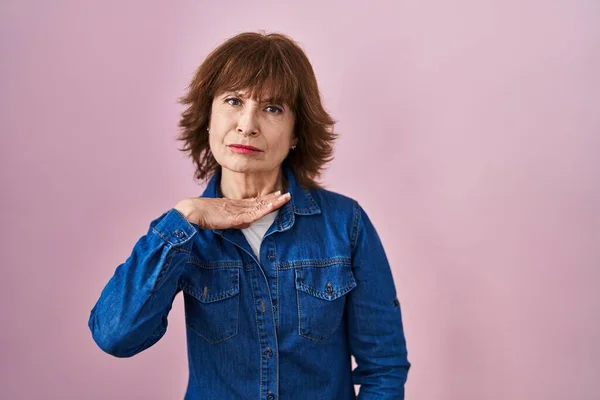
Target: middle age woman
column 280, row 290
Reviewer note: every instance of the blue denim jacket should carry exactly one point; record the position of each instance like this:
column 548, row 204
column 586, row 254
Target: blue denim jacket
column 281, row 326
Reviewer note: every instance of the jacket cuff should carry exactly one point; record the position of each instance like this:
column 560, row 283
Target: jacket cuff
column 174, row 228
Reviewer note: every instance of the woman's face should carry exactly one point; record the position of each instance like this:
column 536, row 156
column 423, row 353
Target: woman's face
column 247, row 136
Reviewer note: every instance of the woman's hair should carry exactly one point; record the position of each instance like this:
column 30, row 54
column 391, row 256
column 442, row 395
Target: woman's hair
column 269, row 66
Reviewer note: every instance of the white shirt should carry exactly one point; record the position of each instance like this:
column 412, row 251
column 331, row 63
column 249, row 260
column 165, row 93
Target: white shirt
column 256, row 231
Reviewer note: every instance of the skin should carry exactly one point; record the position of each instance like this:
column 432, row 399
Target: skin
column 249, row 182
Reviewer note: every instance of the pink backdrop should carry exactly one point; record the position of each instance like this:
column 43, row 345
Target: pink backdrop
column 470, row 133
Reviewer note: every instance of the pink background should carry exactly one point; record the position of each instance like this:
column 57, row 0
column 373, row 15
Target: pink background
column 470, row 133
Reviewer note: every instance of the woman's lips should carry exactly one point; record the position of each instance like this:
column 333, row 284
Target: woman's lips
column 238, row 148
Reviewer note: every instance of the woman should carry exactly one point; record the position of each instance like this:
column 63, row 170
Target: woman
column 279, row 289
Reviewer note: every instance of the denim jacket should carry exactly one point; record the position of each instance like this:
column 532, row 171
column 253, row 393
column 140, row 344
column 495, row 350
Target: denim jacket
column 280, row 326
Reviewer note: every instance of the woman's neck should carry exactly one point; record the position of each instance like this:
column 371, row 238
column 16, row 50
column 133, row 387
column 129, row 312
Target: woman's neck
column 237, row 185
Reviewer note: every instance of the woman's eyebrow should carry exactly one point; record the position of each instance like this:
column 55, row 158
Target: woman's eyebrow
column 267, row 100
column 273, row 100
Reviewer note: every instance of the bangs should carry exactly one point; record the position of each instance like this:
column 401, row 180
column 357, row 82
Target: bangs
column 264, row 71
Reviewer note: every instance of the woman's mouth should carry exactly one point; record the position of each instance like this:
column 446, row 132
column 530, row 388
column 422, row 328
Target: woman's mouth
column 242, row 149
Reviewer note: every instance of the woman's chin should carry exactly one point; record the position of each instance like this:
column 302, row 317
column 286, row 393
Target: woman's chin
column 242, row 166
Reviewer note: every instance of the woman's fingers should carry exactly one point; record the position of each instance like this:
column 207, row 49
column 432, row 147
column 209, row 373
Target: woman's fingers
column 282, row 199
column 271, row 204
column 265, row 205
column 262, row 202
column 267, row 197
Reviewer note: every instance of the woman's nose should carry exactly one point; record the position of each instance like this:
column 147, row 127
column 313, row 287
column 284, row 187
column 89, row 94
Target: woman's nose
column 248, row 124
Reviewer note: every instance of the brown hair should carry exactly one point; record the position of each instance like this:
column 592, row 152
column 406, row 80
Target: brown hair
column 269, row 65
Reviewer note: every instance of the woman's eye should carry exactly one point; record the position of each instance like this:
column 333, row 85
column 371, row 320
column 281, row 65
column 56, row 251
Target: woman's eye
column 228, row 100
column 277, row 109
column 234, row 101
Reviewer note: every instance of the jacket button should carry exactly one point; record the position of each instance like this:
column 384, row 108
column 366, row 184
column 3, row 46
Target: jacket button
column 329, row 288
column 271, row 256
column 269, row 352
column 179, row 234
column 270, row 396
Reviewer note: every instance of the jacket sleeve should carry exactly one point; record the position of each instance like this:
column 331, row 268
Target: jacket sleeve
column 131, row 313
column 375, row 328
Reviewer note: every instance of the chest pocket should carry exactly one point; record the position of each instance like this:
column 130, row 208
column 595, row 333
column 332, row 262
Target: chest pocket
column 213, row 302
column 322, row 296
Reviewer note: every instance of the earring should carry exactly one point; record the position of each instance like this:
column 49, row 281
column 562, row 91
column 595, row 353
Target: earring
column 293, row 147
column 207, row 129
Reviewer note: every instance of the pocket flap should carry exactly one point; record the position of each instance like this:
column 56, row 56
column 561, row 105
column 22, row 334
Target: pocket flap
column 328, row 283
column 211, row 284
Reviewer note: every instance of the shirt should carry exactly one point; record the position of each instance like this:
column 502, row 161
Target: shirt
column 281, row 325
column 255, row 232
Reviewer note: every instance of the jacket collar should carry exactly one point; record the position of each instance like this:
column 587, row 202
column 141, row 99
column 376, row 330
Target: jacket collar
column 301, row 203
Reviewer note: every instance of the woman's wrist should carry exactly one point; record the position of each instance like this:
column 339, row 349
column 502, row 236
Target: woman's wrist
column 186, row 209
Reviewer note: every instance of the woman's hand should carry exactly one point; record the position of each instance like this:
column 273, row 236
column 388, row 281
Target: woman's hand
column 222, row 213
